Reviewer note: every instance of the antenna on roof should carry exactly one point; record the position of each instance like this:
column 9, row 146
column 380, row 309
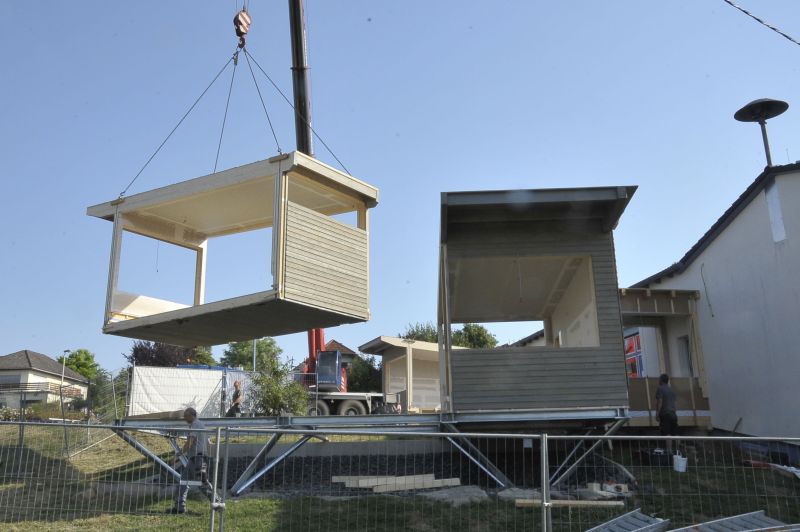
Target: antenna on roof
column 760, row 111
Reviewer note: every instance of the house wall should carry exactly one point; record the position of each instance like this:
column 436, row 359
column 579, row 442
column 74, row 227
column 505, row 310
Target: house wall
column 11, row 399
column 541, row 377
column 574, row 320
column 750, row 301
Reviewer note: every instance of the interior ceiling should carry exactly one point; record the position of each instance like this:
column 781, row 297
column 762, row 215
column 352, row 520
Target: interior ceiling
column 497, row 289
column 245, row 206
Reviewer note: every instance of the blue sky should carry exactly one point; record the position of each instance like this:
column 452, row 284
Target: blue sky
column 414, row 97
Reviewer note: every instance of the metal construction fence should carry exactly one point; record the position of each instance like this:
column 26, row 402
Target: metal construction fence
column 394, row 479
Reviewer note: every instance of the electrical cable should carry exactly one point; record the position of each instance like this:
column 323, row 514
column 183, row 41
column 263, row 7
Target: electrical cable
column 235, row 59
column 761, row 21
column 263, row 105
column 296, row 111
column 121, row 194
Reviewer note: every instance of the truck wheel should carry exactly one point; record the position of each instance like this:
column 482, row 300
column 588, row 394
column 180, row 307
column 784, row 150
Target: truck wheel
column 319, row 408
column 352, row 408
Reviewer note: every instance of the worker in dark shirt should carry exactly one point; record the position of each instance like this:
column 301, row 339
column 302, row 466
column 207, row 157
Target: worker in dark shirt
column 666, row 413
column 236, row 400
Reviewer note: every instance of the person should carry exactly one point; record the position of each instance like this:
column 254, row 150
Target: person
column 236, row 402
column 196, row 452
column 666, row 413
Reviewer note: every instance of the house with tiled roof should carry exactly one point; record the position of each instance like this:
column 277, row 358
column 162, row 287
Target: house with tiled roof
column 28, row 377
column 746, row 271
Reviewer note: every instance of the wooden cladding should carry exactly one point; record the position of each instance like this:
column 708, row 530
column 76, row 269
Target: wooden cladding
column 326, row 262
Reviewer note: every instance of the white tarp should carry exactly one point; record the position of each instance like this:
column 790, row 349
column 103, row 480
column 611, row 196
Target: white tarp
column 157, row 389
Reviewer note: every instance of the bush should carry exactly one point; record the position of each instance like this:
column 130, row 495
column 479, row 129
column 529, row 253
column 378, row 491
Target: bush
column 45, row 411
column 275, row 393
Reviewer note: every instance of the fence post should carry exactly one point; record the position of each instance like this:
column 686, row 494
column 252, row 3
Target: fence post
column 64, row 419
column 224, row 481
column 214, row 505
column 20, row 435
column 547, row 523
column 114, row 395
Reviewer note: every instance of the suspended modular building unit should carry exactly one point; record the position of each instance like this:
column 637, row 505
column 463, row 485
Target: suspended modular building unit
column 319, row 264
column 533, row 255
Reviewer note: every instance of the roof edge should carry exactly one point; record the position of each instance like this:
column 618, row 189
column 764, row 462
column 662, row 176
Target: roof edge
column 721, row 224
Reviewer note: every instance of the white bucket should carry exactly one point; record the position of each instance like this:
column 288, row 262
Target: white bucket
column 680, row 463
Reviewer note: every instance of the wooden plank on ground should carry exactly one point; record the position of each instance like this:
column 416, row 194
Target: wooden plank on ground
column 401, row 485
column 379, row 481
column 531, row 503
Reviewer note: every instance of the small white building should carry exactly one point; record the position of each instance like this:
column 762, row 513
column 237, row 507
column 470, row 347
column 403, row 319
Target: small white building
column 746, row 269
column 28, row 378
column 408, row 357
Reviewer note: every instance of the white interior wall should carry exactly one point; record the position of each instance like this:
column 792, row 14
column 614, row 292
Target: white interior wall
column 649, row 342
column 575, row 318
column 678, row 363
column 426, row 379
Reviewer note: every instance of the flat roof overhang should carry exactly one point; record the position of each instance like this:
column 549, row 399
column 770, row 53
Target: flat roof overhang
column 602, row 204
column 236, row 319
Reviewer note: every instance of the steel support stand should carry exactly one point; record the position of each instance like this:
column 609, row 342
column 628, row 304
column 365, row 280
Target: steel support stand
column 614, row 428
column 251, row 467
column 278, row 459
column 572, row 453
column 133, row 442
column 175, row 447
column 468, row 449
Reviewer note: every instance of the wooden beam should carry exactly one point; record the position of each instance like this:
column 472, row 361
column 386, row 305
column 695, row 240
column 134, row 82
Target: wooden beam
column 535, row 503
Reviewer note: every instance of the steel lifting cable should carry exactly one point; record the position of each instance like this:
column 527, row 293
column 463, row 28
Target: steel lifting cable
column 235, row 59
column 248, row 54
column 121, row 194
column 263, row 105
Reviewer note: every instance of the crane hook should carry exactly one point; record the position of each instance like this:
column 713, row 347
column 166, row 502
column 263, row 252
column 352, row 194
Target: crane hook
column 241, row 22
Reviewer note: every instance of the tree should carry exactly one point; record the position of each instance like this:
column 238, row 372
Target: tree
column 241, row 354
column 425, row 332
column 471, row 335
column 273, row 390
column 475, row 336
column 145, row 353
column 81, row 361
column 364, row 375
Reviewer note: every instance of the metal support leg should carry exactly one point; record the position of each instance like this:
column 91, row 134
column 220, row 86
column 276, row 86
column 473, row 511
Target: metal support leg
column 614, row 428
column 133, row 442
column 178, row 453
column 573, row 452
column 248, row 472
column 272, row 464
column 479, row 459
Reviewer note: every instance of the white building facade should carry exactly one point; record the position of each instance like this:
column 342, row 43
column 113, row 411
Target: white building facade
column 747, row 271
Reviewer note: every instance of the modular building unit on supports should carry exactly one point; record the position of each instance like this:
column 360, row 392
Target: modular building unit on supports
column 319, row 264
column 534, row 255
